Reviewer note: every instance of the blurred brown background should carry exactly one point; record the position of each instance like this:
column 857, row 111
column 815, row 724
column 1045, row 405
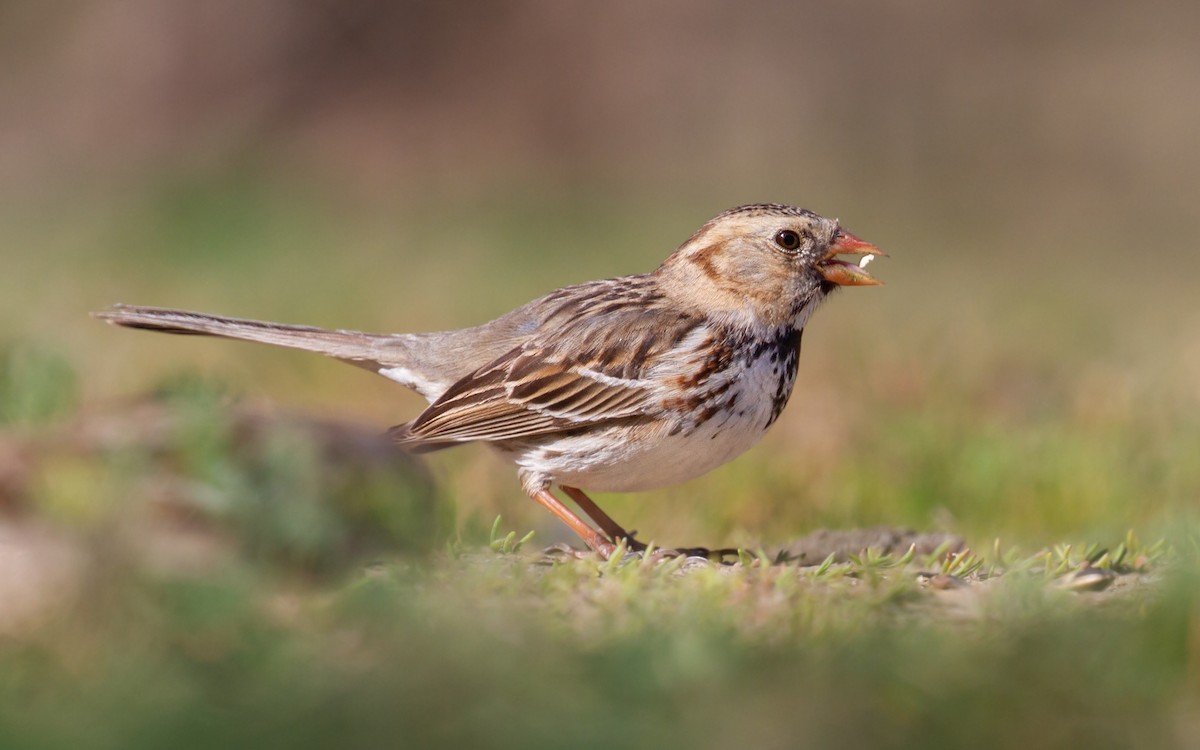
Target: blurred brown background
column 1074, row 102
column 1031, row 166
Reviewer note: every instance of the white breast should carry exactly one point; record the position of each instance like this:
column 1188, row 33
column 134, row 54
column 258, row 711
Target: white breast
column 630, row 458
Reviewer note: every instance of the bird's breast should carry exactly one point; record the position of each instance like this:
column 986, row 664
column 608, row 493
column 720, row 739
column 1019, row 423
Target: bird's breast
column 744, row 383
column 717, row 410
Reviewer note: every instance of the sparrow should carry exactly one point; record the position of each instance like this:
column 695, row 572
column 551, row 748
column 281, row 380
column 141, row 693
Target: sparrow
column 620, row 385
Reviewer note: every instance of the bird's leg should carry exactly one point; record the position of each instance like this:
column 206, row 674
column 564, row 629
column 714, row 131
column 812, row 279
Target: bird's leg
column 592, row 538
column 602, row 519
column 616, row 533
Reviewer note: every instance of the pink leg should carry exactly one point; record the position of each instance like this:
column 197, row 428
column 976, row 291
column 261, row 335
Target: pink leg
column 592, row 538
column 602, row 519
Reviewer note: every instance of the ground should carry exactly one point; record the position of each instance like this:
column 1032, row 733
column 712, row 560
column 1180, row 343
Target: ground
column 245, row 580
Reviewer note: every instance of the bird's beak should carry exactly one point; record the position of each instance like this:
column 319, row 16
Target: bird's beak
column 845, row 273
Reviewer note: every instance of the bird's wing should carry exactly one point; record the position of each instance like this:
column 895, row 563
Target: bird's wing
column 521, row 395
column 598, row 359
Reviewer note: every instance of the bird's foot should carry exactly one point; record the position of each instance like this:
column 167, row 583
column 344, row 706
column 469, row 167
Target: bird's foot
column 606, row 550
column 564, row 551
column 714, row 555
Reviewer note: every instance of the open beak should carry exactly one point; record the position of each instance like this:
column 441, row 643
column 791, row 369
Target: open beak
column 843, row 272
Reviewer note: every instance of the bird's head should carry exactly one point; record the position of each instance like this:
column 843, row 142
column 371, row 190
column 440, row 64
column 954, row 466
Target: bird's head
column 765, row 263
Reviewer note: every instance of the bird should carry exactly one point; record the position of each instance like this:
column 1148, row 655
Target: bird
column 620, row 385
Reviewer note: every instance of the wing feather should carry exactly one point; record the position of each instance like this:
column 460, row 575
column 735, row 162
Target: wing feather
column 592, row 361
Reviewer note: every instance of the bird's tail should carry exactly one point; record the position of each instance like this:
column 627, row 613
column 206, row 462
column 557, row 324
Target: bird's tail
column 371, row 351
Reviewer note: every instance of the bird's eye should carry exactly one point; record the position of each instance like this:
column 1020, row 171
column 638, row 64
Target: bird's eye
column 787, row 239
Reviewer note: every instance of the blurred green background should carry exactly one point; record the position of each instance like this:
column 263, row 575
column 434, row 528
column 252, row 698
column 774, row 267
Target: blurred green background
column 1030, row 372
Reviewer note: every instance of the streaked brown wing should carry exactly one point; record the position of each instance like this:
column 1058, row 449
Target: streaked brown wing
column 523, row 394
column 587, row 363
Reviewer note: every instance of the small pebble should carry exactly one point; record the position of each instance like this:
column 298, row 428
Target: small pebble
column 694, row 562
column 945, row 581
column 1087, row 578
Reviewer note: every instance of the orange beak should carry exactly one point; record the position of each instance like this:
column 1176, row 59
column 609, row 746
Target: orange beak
column 845, row 273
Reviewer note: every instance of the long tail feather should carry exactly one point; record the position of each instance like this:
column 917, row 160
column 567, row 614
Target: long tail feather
column 361, row 349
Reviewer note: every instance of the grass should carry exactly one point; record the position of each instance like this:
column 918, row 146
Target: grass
column 496, row 649
column 197, row 555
